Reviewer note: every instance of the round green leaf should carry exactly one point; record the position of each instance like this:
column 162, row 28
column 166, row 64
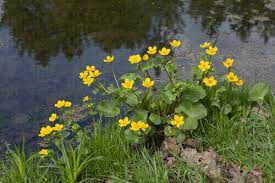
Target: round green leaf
column 169, row 131
column 258, row 92
column 140, row 115
column 190, row 124
column 195, row 94
column 132, row 99
column 133, row 138
column 195, row 111
column 227, row 109
column 181, row 138
column 155, row 119
column 108, row 109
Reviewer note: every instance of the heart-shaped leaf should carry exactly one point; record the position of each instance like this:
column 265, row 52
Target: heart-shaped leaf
column 132, row 99
column 195, row 111
column 108, row 109
column 181, row 138
column 190, row 124
column 258, row 92
column 140, row 115
column 195, row 94
column 155, row 119
column 169, row 131
column 130, row 136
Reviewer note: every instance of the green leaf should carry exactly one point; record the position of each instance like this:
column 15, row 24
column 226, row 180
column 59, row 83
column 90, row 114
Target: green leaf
column 169, row 131
column 131, row 76
column 149, row 65
column 130, row 136
column 195, row 111
column 195, row 94
column 227, row 109
column 108, row 109
column 258, row 92
column 132, row 99
column 167, row 94
column 181, row 138
column 190, row 124
column 155, row 119
column 140, row 115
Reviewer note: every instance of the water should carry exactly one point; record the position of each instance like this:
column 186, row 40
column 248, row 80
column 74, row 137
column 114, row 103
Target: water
column 44, row 45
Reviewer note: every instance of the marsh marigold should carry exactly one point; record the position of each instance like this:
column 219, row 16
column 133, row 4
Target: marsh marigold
column 134, row 59
column 68, row 104
column 145, row 57
column 88, row 81
column 95, row 73
column 177, row 121
column 211, row 50
column 205, row 45
column 152, row 50
column 210, row 82
column 60, row 104
column 175, row 43
column 43, row 152
column 164, row 51
column 128, row 84
column 109, row 59
column 204, row 65
column 228, row 62
column 239, row 82
column 53, row 117
column 231, row 77
column 147, row 83
column 123, row 122
column 58, row 127
column 45, row 131
column 86, row 99
column 90, row 68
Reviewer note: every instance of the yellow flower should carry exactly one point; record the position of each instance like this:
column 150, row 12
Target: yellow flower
column 205, row 45
column 68, row 104
column 145, row 57
column 228, row 62
column 45, row 131
column 175, row 43
column 90, row 68
column 86, row 99
column 43, row 152
column 53, row 117
column 204, row 65
column 211, row 50
column 109, row 59
column 177, row 121
column 239, row 82
column 83, row 74
column 231, row 77
column 124, row 122
column 152, row 50
column 95, row 74
column 164, row 51
column 128, row 84
column 147, row 83
column 135, row 126
column 88, row 81
column 134, row 59
column 58, row 127
column 59, row 103
column 210, row 82
column 143, row 126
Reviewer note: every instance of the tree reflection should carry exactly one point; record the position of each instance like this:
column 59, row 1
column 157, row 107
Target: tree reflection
column 46, row 28
column 243, row 16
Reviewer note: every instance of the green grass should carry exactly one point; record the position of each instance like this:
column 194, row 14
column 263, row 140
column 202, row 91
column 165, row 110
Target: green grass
column 106, row 154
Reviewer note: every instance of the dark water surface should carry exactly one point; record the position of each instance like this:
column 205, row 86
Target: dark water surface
column 44, row 45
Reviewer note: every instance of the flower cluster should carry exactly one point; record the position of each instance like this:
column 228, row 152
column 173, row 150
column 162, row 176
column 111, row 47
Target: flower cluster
column 205, row 65
column 63, row 103
column 134, row 126
column 91, row 73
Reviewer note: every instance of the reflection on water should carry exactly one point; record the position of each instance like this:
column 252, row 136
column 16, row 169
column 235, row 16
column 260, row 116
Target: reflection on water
column 38, row 38
column 243, row 16
column 46, row 28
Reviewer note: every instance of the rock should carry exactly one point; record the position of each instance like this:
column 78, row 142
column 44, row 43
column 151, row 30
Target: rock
column 170, row 146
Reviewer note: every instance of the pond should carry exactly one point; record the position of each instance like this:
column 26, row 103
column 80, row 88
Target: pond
column 44, row 45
